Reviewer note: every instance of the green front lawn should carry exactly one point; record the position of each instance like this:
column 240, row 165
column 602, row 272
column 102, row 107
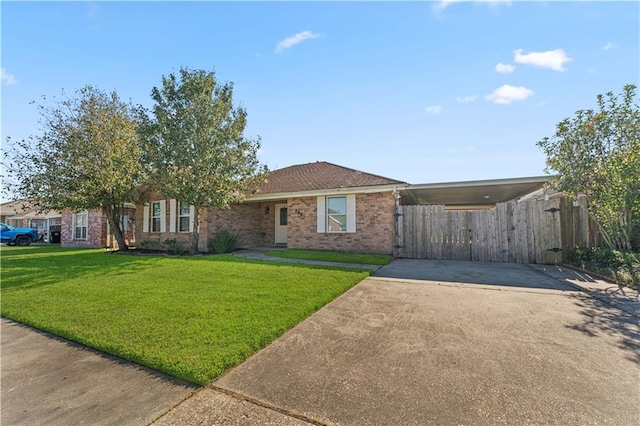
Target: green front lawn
column 332, row 256
column 191, row 317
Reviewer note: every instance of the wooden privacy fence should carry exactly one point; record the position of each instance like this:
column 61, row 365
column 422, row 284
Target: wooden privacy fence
column 533, row 231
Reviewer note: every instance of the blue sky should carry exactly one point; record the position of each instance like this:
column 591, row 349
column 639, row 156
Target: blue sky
column 417, row 91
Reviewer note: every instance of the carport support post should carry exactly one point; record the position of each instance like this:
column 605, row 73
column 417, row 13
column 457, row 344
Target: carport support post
column 398, row 240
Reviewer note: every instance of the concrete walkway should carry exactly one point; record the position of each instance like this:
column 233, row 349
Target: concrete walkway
column 259, row 254
column 51, row 381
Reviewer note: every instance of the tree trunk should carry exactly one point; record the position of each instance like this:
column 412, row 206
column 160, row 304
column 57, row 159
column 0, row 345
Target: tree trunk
column 195, row 235
column 115, row 224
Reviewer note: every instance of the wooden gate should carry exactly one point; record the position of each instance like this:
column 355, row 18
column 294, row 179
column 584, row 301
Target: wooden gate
column 520, row 232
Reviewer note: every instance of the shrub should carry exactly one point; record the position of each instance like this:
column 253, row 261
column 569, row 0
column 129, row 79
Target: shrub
column 223, row 242
column 173, row 246
column 622, row 266
column 148, row 245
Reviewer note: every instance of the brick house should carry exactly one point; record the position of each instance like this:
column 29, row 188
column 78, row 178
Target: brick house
column 308, row 206
column 90, row 228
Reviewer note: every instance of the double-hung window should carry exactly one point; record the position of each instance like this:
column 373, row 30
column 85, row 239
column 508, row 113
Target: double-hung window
column 336, row 214
column 184, row 217
column 156, row 217
column 125, row 222
column 80, row 225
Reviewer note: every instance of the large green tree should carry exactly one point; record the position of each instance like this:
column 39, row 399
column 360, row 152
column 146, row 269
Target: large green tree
column 198, row 150
column 87, row 157
column 597, row 153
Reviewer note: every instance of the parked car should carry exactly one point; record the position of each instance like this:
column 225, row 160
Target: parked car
column 17, row 236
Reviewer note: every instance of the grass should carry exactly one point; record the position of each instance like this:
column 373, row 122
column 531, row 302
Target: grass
column 192, row 317
column 332, row 256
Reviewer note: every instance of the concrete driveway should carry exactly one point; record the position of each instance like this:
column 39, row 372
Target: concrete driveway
column 443, row 343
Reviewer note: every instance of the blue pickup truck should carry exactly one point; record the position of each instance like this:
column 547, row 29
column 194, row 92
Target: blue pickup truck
column 17, row 236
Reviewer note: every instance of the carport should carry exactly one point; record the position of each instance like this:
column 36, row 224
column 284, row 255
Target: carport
column 500, row 220
column 472, row 195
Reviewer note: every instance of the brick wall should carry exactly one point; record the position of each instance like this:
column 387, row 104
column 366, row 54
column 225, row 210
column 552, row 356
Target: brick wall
column 129, row 235
column 157, row 238
column 255, row 225
column 96, row 230
column 374, row 225
column 253, row 222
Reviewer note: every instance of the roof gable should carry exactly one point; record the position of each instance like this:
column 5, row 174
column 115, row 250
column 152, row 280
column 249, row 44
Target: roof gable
column 319, row 176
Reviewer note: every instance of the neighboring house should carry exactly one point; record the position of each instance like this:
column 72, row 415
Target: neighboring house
column 21, row 214
column 71, row 229
column 309, row 206
column 90, row 228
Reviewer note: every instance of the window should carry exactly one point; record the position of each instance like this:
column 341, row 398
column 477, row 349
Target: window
column 80, row 226
column 336, row 214
column 125, row 223
column 155, row 216
column 184, row 217
column 283, row 216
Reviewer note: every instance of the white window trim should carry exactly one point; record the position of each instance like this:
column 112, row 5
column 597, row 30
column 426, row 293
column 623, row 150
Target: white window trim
column 154, row 217
column 147, row 218
column 322, row 216
column 85, row 213
column 174, row 217
column 190, row 216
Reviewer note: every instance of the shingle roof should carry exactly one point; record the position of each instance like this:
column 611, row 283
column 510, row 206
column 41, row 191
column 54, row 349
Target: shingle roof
column 23, row 209
column 319, row 176
column 11, row 208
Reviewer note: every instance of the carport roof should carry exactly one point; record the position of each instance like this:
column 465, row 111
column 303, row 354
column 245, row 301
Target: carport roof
column 472, row 193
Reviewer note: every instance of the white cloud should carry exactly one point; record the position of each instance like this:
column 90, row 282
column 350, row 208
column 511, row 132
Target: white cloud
column 443, row 4
column 507, row 94
column 434, row 109
column 609, row 46
column 93, row 9
column 466, row 99
column 505, row 68
column 289, row 42
column 7, row 78
column 551, row 59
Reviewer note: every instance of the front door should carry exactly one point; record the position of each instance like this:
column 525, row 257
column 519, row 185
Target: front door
column 281, row 224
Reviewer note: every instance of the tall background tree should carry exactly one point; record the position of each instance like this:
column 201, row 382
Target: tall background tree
column 198, row 150
column 597, row 153
column 87, row 157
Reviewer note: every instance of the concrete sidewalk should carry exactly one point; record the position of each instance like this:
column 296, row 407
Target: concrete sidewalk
column 51, row 381
column 259, row 254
